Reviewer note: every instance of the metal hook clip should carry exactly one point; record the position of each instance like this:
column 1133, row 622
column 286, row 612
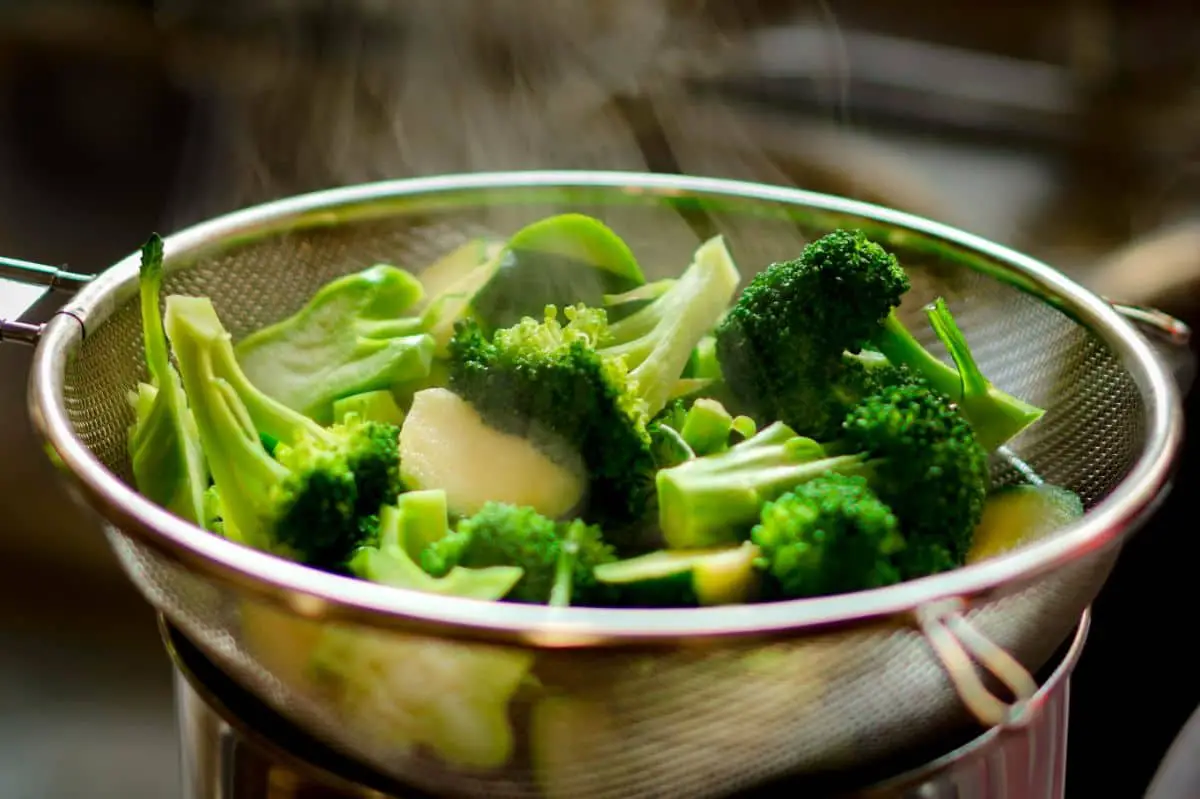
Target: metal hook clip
column 960, row 647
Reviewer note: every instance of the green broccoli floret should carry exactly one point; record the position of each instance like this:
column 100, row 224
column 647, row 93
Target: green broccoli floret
column 507, row 535
column 827, row 536
column 389, row 560
column 351, row 337
column 312, row 500
column 784, row 346
column 594, row 387
column 164, row 446
column 914, row 449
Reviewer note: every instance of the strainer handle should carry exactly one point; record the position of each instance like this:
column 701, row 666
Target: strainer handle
column 49, row 278
column 962, row 649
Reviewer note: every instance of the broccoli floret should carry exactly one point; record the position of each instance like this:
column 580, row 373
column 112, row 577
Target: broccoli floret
column 595, row 387
column 351, row 337
column 830, row 535
column 507, row 535
column 168, row 462
column 388, row 560
column 310, row 501
column 783, row 346
column 914, row 449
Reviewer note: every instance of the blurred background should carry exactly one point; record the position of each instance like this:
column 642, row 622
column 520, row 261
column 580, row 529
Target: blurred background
column 1069, row 129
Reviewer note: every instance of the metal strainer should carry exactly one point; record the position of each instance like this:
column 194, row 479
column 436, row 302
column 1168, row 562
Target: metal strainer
column 494, row 699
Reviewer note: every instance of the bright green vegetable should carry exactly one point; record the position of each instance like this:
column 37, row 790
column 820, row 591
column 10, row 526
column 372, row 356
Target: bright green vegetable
column 370, row 406
column 353, row 336
column 830, row 535
column 390, row 563
column 593, row 386
column 916, row 452
column 792, row 346
column 683, row 578
column 560, row 260
column 507, row 535
column 308, row 502
column 164, row 445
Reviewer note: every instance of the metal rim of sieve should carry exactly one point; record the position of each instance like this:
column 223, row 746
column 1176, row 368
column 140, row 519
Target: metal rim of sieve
column 318, row 595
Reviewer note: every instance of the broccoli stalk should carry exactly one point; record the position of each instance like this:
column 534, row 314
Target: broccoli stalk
column 389, row 562
column 310, row 499
column 557, row 559
column 909, row 444
column 168, row 461
column 710, row 501
column 351, row 337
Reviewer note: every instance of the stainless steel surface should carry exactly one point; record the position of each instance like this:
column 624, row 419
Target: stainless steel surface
column 867, row 686
column 233, row 751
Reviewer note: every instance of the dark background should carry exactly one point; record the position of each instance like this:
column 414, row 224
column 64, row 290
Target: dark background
column 1070, row 130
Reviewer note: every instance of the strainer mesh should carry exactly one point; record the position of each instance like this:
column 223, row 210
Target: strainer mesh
column 605, row 724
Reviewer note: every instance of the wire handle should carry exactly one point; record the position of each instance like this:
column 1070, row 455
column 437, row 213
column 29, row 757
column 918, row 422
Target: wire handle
column 960, row 647
column 29, row 273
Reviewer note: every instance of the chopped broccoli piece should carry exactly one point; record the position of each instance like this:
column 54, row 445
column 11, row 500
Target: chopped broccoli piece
column 827, row 536
column 165, row 451
column 388, row 562
column 370, row 406
column 681, row 432
column 310, row 500
column 508, row 535
column 592, row 386
column 914, row 449
column 560, row 260
column 783, row 346
column 685, row 578
column 351, row 337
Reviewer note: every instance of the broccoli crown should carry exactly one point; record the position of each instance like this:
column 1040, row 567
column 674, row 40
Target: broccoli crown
column 326, row 505
column 928, row 467
column 500, row 534
column 547, row 383
column 829, row 535
column 781, row 344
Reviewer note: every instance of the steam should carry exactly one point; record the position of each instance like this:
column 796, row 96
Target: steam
column 310, row 95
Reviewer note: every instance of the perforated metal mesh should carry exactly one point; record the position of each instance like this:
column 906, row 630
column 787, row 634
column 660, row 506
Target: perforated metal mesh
column 618, row 724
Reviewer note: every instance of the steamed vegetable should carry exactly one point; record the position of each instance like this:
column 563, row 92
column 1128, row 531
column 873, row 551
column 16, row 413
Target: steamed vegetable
column 311, row 498
column 164, row 445
column 529, row 420
column 353, row 336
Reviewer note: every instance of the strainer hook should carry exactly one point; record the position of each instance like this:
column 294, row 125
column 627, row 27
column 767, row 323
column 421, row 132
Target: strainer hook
column 960, row 646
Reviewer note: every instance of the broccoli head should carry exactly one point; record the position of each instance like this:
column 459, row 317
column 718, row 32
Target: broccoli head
column 508, row 535
column 783, row 346
column 311, row 500
column 595, row 387
column 830, row 535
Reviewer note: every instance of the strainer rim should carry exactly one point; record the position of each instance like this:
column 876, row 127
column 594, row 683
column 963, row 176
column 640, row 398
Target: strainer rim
column 316, row 594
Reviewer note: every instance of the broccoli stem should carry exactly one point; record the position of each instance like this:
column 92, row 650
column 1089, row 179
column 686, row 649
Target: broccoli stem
column 995, row 416
column 657, row 342
column 713, row 501
column 243, row 471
